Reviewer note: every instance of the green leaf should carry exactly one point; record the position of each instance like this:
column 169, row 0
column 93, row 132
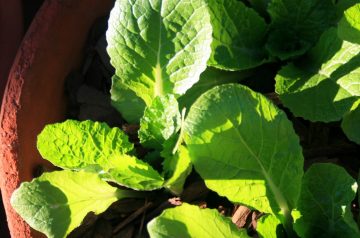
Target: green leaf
column 159, row 47
column 325, row 81
column 245, row 149
column 126, row 102
column 95, row 147
column 239, row 36
column 187, row 221
column 296, row 25
column 269, row 226
column 78, row 145
column 132, row 172
column 350, row 123
column 349, row 25
column 160, row 121
column 57, row 202
column 176, row 168
column 210, row 78
column 325, row 201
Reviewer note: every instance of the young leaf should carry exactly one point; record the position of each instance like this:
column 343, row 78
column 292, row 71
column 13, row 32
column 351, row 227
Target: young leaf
column 239, row 36
column 132, row 172
column 324, row 81
column 350, row 123
column 269, row 226
column 159, row 47
column 187, row 221
column 325, row 201
column 176, row 169
column 296, row 25
column 210, row 78
column 245, row 149
column 57, row 202
column 77, row 145
column 160, row 121
column 126, row 102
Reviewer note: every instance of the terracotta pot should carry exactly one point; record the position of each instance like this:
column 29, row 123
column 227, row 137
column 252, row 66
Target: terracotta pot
column 11, row 31
column 34, row 95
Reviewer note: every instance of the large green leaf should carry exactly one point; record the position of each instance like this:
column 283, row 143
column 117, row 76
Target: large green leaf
column 159, row 46
column 296, row 25
column 324, row 84
column 351, row 123
column 161, row 120
column 76, row 145
column 57, row 202
column 245, row 149
column 187, row 221
column 126, row 102
column 325, row 201
column 239, row 36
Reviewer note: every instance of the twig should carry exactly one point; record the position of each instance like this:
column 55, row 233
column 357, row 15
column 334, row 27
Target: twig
column 132, row 217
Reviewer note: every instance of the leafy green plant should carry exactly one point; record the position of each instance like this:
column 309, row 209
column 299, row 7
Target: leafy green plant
column 171, row 56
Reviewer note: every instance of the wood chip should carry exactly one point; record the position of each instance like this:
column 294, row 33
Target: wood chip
column 240, row 216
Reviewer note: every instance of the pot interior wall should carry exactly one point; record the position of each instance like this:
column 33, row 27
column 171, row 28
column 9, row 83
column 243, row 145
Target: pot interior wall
column 34, row 96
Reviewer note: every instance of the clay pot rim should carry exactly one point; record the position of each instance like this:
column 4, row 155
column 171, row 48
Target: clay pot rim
column 15, row 103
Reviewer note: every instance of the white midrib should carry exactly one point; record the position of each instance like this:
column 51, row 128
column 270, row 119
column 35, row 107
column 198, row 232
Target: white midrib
column 159, row 87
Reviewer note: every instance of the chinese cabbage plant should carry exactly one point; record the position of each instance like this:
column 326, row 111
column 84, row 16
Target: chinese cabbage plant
column 178, row 64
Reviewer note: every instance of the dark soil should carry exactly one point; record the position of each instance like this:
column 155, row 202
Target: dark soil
column 89, row 98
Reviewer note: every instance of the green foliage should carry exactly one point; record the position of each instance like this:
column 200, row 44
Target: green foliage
column 322, row 80
column 176, row 168
column 57, row 202
column 126, row 102
column 239, row 36
column 350, row 123
column 269, row 226
column 325, row 201
column 161, row 120
column 297, row 25
column 245, row 149
column 237, row 140
column 159, row 47
column 191, row 221
column 79, row 145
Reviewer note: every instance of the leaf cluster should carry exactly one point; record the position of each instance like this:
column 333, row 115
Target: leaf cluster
column 178, row 67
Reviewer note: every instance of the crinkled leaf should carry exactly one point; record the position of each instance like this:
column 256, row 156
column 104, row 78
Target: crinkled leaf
column 351, row 123
column 325, row 201
column 78, row 145
column 161, row 120
column 132, row 172
column 349, row 25
column 176, row 168
column 323, row 85
column 57, row 202
column 239, row 36
column 159, row 47
column 126, row 102
column 210, row 78
column 296, row 25
column 269, row 226
column 245, row 149
column 187, row 221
